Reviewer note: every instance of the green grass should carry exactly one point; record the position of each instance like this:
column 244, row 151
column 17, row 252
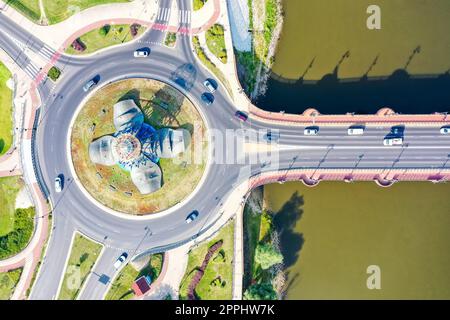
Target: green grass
column 17, row 239
column 6, row 120
column 178, row 180
column 59, row 10
column 9, row 188
column 171, row 39
column 322, row 31
column 198, row 4
column 121, row 286
column 216, row 268
column 82, row 258
column 345, row 228
column 8, row 281
column 96, row 39
column 29, row 8
column 209, row 64
column 215, row 41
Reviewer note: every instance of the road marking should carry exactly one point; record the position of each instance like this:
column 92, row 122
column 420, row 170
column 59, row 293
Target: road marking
column 163, row 14
column 185, row 16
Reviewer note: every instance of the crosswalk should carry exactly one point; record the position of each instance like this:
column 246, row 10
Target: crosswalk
column 184, row 17
column 163, row 15
column 46, row 52
column 31, row 70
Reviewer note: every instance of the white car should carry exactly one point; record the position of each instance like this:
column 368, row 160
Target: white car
column 445, row 130
column 120, row 260
column 58, row 184
column 311, row 131
column 393, row 141
column 141, row 53
column 208, row 84
column 355, row 131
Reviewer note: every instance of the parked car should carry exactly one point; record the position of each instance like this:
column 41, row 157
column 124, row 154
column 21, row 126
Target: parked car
column 141, row 53
column 445, row 130
column 311, row 131
column 212, row 87
column 241, row 115
column 272, row 136
column 192, row 216
column 120, row 260
column 355, row 131
column 393, row 141
column 207, row 98
column 90, row 84
column 58, row 184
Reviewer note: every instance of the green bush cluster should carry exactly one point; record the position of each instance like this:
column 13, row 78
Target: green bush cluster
column 54, row 73
column 18, row 238
column 216, row 42
column 103, row 31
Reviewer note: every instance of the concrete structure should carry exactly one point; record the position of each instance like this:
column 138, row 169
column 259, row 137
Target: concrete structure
column 137, row 146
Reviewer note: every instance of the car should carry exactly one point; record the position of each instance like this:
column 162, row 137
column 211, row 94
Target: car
column 120, row 260
column 89, row 85
column 210, row 85
column 311, row 131
column 272, row 136
column 192, row 216
column 393, row 141
column 241, row 115
column 398, row 130
column 207, row 98
column 141, row 53
column 355, row 131
column 445, row 130
column 58, row 184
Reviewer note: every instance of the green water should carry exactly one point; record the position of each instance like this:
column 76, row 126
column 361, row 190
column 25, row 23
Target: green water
column 332, row 233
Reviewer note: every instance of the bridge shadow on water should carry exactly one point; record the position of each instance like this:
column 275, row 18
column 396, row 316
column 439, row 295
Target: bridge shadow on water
column 401, row 91
column 291, row 242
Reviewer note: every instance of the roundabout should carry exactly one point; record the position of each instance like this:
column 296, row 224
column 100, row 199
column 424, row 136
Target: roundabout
column 135, row 146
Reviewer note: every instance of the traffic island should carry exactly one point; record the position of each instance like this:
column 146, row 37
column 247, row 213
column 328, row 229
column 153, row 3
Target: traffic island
column 139, row 146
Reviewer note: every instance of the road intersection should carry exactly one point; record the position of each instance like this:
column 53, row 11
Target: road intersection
column 333, row 149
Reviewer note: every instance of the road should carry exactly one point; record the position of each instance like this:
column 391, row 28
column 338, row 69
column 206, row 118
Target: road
column 424, row 147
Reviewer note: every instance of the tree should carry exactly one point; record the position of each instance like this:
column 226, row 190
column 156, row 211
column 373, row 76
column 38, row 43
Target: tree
column 104, row 30
column 266, row 255
column 260, row 291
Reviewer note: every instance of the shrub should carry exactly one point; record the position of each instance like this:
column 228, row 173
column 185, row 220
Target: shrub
column 134, row 29
column 54, row 73
column 104, row 30
column 17, row 239
column 78, row 45
column 263, row 291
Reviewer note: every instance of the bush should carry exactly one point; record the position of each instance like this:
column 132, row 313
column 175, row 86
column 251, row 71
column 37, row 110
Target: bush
column 17, row 239
column 78, row 45
column 263, row 291
column 54, row 73
column 104, row 30
column 134, row 29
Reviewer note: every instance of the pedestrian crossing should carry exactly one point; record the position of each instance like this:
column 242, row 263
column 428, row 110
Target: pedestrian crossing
column 46, row 52
column 184, row 17
column 31, row 70
column 163, row 15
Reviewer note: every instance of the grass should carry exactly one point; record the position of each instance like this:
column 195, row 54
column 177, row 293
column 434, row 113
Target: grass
column 82, row 258
column 54, row 73
column 218, row 270
column 171, row 39
column 215, row 41
column 6, row 120
column 97, row 39
column 59, row 10
column 178, row 180
column 29, row 8
column 322, row 31
column 9, row 188
column 8, row 282
column 198, row 4
column 17, row 239
column 121, row 286
column 209, row 64
column 333, row 232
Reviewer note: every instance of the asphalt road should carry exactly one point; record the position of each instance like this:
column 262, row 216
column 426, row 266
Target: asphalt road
column 331, row 148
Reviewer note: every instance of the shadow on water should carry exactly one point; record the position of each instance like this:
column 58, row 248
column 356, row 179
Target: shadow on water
column 285, row 221
column 401, row 91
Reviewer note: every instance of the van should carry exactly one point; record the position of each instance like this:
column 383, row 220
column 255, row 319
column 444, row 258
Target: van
column 393, row 141
column 355, row 131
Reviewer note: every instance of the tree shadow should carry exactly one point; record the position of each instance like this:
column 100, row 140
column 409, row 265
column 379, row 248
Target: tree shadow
column 134, row 95
column 285, row 221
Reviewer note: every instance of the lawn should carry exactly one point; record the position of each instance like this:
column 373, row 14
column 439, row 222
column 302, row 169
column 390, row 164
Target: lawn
column 9, row 188
column 215, row 41
column 171, row 39
column 29, row 8
column 163, row 106
column 6, row 121
column 104, row 37
column 217, row 281
column 8, row 281
column 413, row 37
column 83, row 255
column 59, row 10
column 121, row 286
column 198, row 4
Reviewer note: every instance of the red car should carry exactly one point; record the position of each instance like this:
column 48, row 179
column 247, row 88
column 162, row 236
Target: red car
column 241, row 115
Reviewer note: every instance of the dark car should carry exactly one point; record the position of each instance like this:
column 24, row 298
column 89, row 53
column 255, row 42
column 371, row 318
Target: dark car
column 241, row 115
column 398, row 130
column 192, row 216
column 272, row 136
column 207, row 98
column 91, row 83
